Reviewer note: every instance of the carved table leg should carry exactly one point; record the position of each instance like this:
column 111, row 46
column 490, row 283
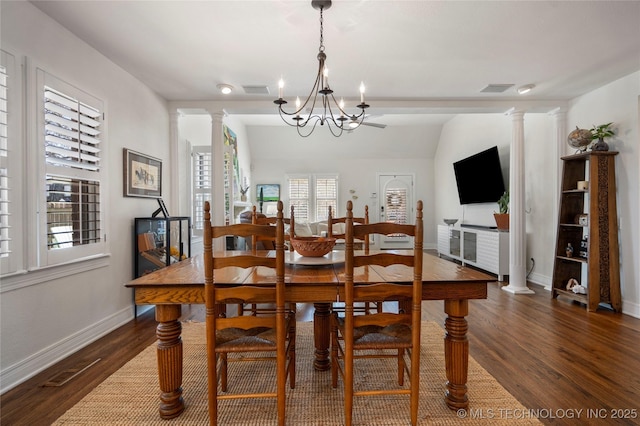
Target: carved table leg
column 456, row 353
column 169, row 360
column 321, row 334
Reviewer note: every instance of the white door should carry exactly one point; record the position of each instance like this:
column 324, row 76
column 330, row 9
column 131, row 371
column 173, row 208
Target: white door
column 396, row 205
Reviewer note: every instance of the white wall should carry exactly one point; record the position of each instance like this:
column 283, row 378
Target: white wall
column 471, row 133
column 619, row 102
column 46, row 315
column 278, row 151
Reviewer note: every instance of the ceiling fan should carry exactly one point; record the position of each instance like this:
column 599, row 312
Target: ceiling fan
column 367, row 123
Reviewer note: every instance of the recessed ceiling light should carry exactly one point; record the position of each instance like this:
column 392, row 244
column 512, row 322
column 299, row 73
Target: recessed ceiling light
column 225, row 88
column 525, row 89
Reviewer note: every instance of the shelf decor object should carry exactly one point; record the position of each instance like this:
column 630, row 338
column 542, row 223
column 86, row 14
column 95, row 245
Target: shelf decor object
column 588, row 223
column 580, row 139
column 600, row 133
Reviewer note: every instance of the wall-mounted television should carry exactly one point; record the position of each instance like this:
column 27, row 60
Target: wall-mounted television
column 479, row 177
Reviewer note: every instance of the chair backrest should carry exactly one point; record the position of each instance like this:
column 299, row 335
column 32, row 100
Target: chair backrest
column 260, row 219
column 212, row 263
column 356, row 220
column 384, row 291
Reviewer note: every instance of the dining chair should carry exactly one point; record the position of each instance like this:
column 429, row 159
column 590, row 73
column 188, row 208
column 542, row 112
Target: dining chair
column 365, row 307
column 266, row 243
column 247, row 338
column 381, row 334
column 331, row 230
column 258, row 242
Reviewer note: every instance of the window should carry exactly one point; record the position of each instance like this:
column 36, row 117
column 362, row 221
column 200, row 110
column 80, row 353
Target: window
column 11, row 166
column 311, row 196
column 202, row 168
column 70, row 126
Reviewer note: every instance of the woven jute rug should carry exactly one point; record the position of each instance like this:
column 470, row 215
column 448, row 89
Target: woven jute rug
column 131, row 395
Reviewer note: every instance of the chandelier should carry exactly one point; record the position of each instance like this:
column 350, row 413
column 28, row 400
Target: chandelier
column 329, row 111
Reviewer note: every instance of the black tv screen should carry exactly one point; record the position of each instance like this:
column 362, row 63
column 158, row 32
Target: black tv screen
column 479, row 177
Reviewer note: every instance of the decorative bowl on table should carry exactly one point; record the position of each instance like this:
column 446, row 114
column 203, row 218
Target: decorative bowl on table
column 450, row 222
column 313, row 246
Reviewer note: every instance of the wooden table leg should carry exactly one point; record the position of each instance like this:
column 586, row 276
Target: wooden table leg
column 322, row 334
column 456, row 353
column 169, row 360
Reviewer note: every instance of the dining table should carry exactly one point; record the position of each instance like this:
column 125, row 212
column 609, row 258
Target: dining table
column 319, row 281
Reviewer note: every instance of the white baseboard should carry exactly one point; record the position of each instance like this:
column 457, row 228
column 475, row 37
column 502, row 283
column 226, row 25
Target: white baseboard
column 19, row 372
column 540, row 279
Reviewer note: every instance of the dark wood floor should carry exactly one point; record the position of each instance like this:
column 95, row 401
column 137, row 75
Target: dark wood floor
column 551, row 355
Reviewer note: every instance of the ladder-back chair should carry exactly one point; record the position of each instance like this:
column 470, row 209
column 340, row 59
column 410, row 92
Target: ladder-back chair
column 382, row 334
column 267, row 337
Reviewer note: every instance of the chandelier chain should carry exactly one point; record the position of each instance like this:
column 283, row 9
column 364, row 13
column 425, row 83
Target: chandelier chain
column 321, row 49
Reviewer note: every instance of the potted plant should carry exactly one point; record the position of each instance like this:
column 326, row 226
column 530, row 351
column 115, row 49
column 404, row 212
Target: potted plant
column 502, row 218
column 600, row 133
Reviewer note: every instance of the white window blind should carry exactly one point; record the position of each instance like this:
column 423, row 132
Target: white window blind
column 12, row 167
column 326, row 195
column 202, row 167
column 73, row 212
column 5, row 188
column 396, row 205
column 299, row 197
column 71, row 132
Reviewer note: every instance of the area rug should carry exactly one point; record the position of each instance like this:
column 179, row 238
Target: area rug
column 130, row 395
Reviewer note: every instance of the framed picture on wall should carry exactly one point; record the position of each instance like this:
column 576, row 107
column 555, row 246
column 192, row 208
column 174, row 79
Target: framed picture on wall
column 142, row 175
column 268, row 192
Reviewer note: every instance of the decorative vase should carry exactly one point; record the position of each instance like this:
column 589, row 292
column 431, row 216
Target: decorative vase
column 502, row 221
column 601, row 145
column 243, row 197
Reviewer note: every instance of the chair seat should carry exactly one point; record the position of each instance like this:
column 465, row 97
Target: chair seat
column 253, row 339
column 378, row 337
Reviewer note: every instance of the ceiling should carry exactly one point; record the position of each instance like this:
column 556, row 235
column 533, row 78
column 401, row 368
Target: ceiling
column 415, row 57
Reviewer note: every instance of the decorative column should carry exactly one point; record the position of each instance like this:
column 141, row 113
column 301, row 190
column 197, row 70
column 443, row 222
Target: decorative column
column 517, row 231
column 217, row 189
column 174, row 164
column 560, row 117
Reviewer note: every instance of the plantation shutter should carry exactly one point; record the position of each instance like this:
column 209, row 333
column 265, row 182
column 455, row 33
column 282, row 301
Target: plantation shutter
column 5, row 189
column 73, row 173
column 202, row 182
column 299, row 198
column 326, row 195
column 71, row 132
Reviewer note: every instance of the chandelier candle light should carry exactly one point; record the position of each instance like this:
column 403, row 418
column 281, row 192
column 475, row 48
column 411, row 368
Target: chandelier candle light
column 330, row 112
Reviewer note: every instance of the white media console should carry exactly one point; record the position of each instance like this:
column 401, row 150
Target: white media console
column 484, row 248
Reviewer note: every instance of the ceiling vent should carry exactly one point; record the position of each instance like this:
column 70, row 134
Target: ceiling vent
column 256, row 90
column 496, row 88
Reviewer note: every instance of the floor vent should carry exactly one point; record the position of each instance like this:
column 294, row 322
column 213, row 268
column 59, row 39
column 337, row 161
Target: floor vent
column 65, row 376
